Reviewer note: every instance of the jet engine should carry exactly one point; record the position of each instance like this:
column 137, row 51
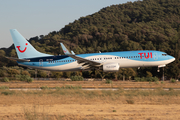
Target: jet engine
column 111, row 67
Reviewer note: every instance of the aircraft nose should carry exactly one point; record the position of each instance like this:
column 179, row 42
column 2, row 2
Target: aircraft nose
column 172, row 58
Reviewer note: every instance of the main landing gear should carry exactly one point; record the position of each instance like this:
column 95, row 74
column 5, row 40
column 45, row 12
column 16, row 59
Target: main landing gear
column 158, row 70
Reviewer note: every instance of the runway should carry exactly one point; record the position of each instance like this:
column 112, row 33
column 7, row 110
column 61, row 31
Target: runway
column 91, row 89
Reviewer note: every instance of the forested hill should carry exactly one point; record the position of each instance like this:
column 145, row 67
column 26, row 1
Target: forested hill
column 141, row 25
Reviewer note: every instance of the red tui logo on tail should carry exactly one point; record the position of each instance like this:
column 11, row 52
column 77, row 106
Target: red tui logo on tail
column 65, row 51
column 18, row 47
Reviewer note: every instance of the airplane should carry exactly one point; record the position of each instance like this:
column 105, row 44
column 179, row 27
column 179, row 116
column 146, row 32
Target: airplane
column 107, row 61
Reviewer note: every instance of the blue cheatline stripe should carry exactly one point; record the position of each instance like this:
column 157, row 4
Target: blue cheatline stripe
column 64, row 59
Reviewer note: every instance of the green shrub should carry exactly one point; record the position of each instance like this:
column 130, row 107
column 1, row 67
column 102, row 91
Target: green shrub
column 114, row 110
column 157, row 82
column 26, row 78
column 173, row 81
column 2, row 73
column 143, row 79
column 69, row 87
column 137, row 79
column 4, row 87
column 152, row 79
column 130, row 101
column 170, row 89
column 7, row 92
column 29, row 80
column 155, row 79
column 6, row 79
column 17, row 77
column 148, row 79
column 44, row 87
column 108, row 81
column 76, row 78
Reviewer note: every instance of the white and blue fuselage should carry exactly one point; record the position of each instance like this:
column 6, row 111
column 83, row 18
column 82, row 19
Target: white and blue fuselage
column 125, row 59
column 108, row 61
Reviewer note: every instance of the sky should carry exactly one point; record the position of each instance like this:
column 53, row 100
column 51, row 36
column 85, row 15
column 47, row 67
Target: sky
column 40, row 17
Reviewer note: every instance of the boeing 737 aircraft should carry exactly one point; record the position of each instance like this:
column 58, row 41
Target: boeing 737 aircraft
column 108, row 61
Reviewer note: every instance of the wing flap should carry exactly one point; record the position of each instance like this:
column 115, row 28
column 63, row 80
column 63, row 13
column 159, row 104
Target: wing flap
column 81, row 60
column 86, row 61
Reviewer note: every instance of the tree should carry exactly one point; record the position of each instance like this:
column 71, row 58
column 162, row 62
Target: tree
column 42, row 73
column 25, row 72
column 13, row 53
column 2, row 53
column 149, row 74
column 13, row 72
column 67, row 74
column 122, row 27
column 102, row 74
column 57, row 74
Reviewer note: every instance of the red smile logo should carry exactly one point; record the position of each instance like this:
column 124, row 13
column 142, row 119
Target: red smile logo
column 65, row 51
column 18, row 47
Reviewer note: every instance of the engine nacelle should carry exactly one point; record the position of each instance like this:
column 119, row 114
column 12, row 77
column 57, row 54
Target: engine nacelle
column 111, row 67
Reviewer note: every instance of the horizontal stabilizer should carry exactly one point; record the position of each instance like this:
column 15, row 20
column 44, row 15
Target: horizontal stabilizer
column 20, row 60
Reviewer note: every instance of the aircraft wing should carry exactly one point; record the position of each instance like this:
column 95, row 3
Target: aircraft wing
column 20, row 60
column 83, row 60
column 86, row 63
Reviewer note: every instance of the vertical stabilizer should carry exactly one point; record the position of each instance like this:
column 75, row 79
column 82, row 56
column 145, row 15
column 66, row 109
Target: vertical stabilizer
column 23, row 48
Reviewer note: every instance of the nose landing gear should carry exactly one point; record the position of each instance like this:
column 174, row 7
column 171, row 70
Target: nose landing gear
column 160, row 67
column 158, row 70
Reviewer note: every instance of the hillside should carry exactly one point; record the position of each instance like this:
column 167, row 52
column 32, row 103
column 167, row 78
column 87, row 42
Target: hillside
column 141, row 25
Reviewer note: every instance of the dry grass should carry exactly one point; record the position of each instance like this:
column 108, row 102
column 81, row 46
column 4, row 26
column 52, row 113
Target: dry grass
column 90, row 84
column 80, row 104
column 68, row 102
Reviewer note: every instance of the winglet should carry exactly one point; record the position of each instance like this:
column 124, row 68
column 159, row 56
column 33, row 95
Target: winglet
column 65, row 50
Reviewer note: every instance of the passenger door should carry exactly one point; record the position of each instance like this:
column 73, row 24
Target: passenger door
column 155, row 56
column 41, row 63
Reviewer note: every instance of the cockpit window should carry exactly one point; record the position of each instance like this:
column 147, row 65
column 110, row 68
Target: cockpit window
column 164, row 54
